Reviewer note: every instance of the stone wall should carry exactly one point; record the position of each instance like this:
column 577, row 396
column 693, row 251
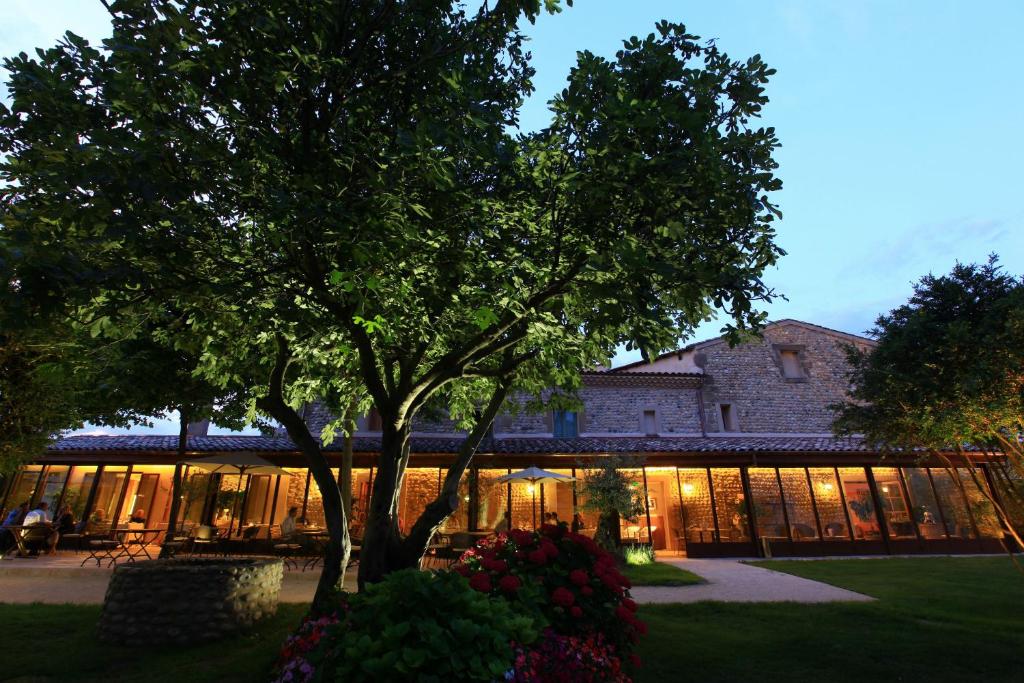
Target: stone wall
column 189, row 600
column 749, row 377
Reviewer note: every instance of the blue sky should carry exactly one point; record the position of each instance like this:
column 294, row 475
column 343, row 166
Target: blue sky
column 899, row 122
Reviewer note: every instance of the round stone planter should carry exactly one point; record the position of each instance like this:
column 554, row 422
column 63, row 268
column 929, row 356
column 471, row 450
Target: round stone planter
column 189, row 600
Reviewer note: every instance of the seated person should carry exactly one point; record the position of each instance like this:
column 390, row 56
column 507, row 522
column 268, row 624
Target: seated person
column 40, row 517
column 138, row 517
column 14, row 518
column 66, row 520
column 288, row 524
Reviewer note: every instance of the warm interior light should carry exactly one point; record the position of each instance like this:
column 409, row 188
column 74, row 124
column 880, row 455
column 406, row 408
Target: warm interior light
column 687, row 489
column 529, row 488
column 827, row 488
column 466, row 498
column 885, row 489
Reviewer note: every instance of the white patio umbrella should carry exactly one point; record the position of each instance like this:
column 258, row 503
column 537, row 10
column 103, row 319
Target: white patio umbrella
column 240, row 464
column 535, row 475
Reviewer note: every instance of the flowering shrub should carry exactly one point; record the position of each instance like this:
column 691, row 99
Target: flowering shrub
column 413, row 625
column 562, row 578
column 557, row 658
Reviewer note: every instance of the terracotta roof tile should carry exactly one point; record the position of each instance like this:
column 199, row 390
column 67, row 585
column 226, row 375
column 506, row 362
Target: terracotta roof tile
column 682, row 444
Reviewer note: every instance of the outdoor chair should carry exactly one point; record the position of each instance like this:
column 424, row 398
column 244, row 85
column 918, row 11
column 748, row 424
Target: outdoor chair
column 285, row 548
column 101, row 548
column 205, row 540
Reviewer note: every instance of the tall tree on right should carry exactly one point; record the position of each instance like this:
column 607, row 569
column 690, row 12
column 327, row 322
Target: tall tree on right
column 948, row 372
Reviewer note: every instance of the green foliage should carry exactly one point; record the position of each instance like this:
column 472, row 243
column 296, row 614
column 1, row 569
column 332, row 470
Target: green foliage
column 422, row 626
column 606, row 488
column 948, row 366
column 639, row 554
column 341, row 192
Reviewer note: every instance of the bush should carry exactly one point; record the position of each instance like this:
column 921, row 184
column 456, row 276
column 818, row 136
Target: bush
column 639, row 555
column 556, row 658
column 562, row 578
column 412, row 626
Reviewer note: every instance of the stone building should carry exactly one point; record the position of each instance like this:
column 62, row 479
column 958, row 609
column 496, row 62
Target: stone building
column 733, row 452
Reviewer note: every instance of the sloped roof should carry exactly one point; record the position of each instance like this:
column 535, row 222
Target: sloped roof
column 540, row 445
column 720, row 340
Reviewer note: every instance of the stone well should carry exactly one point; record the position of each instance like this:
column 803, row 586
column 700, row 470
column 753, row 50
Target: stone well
column 188, row 600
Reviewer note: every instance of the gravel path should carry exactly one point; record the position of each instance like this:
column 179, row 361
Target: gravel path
column 730, row 580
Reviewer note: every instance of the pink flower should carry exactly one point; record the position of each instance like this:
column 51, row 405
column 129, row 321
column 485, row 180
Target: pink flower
column 576, row 612
column 630, row 604
column 587, row 590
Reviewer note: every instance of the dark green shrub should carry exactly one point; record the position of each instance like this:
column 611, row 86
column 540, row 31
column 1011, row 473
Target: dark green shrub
column 413, row 626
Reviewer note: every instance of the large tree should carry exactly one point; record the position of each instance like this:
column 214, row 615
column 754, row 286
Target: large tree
column 334, row 186
column 948, row 373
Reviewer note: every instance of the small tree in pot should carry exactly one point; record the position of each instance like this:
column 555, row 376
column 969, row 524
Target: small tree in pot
column 608, row 491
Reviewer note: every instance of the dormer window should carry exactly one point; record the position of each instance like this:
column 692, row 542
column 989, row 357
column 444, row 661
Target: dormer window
column 791, row 363
column 565, row 424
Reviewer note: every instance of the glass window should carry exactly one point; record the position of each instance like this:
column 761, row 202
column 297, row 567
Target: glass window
column 791, row 368
column 635, row 530
column 195, row 485
column 923, row 506
column 419, row 488
column 589, row 517
column 982, row 510
column 257, row 501
column 696, row 501
column 525, row 505
column 558, row 499
column 24, row 486
column 490, row 513
column 829, row 502
column 650, row 422
column 898, row 521
column 764, row 488
column 860, row 504
column 228, row 504
column 951, row 503
column 53, row 484
column 566, row 424
column 108, row 494
column 77, row 492
column 360, row 501
column 139, row 497
column 730, row 504
column 798, row 504
column 729, row 421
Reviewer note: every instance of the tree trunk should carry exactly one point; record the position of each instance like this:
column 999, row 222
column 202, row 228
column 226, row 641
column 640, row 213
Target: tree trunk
column 339, row 547
column 345, row 474
column 176, row 484
column 384, row 549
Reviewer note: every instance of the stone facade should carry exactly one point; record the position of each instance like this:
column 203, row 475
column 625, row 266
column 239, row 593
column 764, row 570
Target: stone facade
column 686, row 389
column 188, row 601
column 750, row 378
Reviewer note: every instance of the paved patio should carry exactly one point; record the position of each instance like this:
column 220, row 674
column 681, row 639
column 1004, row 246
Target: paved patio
column 60, row 579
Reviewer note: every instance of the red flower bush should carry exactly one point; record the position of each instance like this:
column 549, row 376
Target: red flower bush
column 564, row 579
column 558, row 658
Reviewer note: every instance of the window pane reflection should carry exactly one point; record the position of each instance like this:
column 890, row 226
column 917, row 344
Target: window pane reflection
column 897, row 514
column 830, row 504
column 798, row 504
column 860, row 504
column 923, row 507
column 764, row 487
column 733, row 523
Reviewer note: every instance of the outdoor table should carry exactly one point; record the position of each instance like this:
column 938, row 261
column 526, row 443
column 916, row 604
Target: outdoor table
column 133, row 543
column 318, row 541
column 19, row 549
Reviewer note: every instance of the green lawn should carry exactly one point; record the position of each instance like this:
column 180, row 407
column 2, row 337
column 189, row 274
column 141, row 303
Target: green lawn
column 660, row 574
column 936, row 619
column 58, row 643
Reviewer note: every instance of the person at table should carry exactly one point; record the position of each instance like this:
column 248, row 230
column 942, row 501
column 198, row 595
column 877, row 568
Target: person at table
column 289, row 524
column 40, row 517
column 14, row 518
column 66, row 520
column 138, row 517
